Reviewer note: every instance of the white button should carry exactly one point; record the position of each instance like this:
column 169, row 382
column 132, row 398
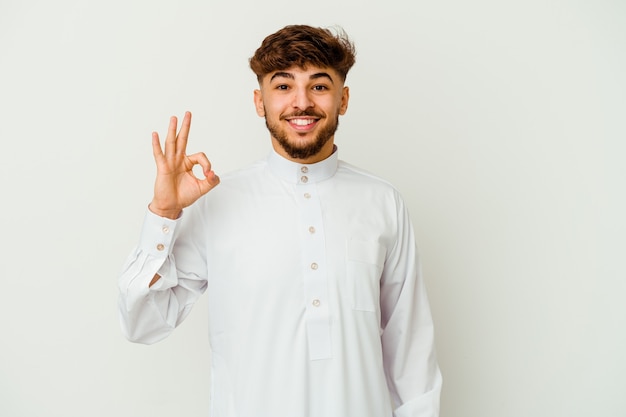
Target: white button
column 304, row 178
column 160, row 246
column 307, row 195
column 304, row 170
column 314, row 266
column 311, row 229
column 165, row 229
column 316, row 303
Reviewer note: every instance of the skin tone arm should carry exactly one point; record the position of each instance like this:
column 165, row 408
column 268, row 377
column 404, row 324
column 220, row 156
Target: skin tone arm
column 176, row 186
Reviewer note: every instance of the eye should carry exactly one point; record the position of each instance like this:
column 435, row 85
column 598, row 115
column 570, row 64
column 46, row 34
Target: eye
column 282, row 87
column 320, row 87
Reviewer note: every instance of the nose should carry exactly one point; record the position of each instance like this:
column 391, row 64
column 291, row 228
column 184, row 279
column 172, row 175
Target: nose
column 302, row 99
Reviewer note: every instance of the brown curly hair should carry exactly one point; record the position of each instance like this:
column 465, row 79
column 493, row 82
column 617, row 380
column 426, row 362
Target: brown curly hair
column 302, row 45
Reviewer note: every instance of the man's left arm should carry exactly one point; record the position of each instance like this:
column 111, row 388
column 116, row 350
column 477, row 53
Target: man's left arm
column 410, row 361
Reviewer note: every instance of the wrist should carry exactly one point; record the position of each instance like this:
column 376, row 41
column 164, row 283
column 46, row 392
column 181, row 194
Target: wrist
column 171, row 214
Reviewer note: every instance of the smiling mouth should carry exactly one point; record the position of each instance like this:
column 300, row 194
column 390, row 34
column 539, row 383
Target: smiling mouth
column 302, row 122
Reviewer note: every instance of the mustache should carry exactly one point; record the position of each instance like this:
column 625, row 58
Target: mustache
column 302, row 113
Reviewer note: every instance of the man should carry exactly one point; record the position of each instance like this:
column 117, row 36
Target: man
column 316, row 303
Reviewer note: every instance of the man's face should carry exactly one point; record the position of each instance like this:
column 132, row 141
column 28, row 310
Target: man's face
column 301, row 110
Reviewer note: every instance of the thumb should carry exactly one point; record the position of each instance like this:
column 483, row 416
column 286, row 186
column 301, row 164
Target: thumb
column 210, row 181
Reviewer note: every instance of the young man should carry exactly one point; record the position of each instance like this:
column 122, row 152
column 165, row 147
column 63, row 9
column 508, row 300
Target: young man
column 317, row 305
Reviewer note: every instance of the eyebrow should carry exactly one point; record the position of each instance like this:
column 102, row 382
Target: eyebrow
column 283, row 74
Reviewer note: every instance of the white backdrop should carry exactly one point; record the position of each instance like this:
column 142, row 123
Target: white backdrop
column 501, row 122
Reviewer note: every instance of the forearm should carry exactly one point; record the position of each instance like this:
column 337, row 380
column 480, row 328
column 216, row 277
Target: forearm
column 153, row 296
column 408, row 338
column 141, row 317
column 410, row 358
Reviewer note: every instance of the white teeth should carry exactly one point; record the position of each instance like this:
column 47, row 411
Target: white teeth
column 302, row 122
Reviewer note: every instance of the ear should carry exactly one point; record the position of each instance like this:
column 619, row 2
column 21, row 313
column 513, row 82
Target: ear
column 345, row 97
column 258, row 103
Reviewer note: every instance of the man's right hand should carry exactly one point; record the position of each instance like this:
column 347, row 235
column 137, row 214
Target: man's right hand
column 176, row 186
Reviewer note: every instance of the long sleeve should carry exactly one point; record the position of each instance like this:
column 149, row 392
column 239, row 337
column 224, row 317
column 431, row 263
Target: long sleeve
column 149, row 314
column 410, row 361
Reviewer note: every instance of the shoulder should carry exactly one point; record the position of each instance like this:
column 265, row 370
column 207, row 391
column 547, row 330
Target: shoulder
column 363, row 187
column 244, row 173
column 362, row 176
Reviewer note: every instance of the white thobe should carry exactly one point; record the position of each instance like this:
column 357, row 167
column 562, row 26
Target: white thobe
column 317, row 307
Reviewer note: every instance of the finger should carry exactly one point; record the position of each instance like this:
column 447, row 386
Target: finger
column 170, row 140
column 156, row 147
column 210, row 178
column 209, row 182
column 201, row 159
column 183, row 134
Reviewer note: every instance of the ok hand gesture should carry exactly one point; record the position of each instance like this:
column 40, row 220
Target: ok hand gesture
column 176, row 186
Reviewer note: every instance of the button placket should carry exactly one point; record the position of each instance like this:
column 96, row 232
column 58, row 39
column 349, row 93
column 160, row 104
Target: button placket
column 314, row 274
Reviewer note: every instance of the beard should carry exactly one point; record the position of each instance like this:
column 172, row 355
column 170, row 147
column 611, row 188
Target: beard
column 303, row 150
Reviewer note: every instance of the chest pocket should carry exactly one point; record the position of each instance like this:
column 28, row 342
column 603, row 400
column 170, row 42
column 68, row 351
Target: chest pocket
column 365, row 260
